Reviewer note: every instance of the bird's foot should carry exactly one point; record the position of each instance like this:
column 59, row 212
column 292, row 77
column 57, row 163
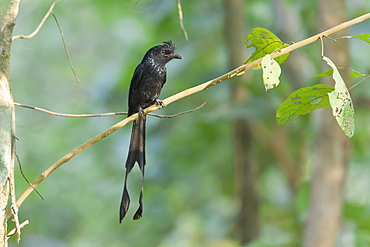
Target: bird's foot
column 160, row 103
column 141, row 112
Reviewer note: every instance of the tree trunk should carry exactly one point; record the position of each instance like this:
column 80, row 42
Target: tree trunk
column 333, row 147
column 247, row 223
column 8, row 14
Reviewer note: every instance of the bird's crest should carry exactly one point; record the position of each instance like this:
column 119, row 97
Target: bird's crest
column 170, row 44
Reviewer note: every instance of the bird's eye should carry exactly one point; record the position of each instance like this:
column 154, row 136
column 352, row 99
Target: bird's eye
column 166, row 52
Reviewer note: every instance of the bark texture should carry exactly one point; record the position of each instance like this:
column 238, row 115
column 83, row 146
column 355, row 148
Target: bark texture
column 247, row 224
column 332, row 146
column 8, row 14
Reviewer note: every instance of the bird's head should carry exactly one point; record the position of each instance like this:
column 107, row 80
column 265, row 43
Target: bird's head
column 164, row 52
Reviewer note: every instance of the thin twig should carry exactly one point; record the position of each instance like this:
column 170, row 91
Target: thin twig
column 177, row 114
column 181, row 19
column 25, row 178
column 322, row 46
column 178, row 96
column 65, row 47
column 363, row 79
column 69, row 115
column 14, row 230
column 101, row 114
column 40, row 25
column 14, row 208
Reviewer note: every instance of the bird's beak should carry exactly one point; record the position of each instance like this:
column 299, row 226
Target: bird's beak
column 175, row 55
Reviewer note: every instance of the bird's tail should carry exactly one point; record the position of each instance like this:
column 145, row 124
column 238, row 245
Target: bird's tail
column 136, row 154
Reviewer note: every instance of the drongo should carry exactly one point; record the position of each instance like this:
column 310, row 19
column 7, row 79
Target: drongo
column 146, row 84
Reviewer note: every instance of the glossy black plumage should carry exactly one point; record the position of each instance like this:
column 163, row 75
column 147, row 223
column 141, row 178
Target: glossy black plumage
column 146, row 84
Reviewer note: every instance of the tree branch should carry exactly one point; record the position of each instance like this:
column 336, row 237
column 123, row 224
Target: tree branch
column 240, row 70
column 71, row 154
column 65, row 48
column 8, row 14
column 103, row 114
column 14, row 230
column 179, row 9
column 40, row 25
column 180, row 95
column 69, row 115
column 14, row 210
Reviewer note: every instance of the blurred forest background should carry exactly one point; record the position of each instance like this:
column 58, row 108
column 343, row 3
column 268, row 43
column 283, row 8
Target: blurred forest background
column 197, row 190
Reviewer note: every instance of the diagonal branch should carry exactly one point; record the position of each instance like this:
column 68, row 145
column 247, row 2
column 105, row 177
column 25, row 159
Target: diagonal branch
column 40, row 25
column 238, row 71
column 70, row 155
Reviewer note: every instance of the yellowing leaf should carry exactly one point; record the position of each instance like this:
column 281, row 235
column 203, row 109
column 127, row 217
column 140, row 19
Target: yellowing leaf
column 341, row 103
column 271, row 72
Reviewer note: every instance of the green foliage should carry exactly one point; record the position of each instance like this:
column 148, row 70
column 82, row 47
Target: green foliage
column 358, row 214
column 364, row 36
column 265, row 43
column 307, row 99
column 301, row 199
column 354, row 74
column 303, row 101
column 329, row 72
column 263, row 243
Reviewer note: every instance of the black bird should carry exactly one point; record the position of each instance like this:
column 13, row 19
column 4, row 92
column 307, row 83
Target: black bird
column 146, row 84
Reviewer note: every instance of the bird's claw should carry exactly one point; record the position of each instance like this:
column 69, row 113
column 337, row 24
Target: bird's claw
column 160, row 103
column 141, row 112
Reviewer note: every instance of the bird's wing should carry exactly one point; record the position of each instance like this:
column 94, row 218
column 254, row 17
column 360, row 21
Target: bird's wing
column 136, row 78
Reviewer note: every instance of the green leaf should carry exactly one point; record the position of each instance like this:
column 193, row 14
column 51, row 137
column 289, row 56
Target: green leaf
column 265, row 43
column 329, row 72
column 324, row 74
column 303, row 101
column 355, row 74
column 364, row 36
column 341, row 103
column 271, row 72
